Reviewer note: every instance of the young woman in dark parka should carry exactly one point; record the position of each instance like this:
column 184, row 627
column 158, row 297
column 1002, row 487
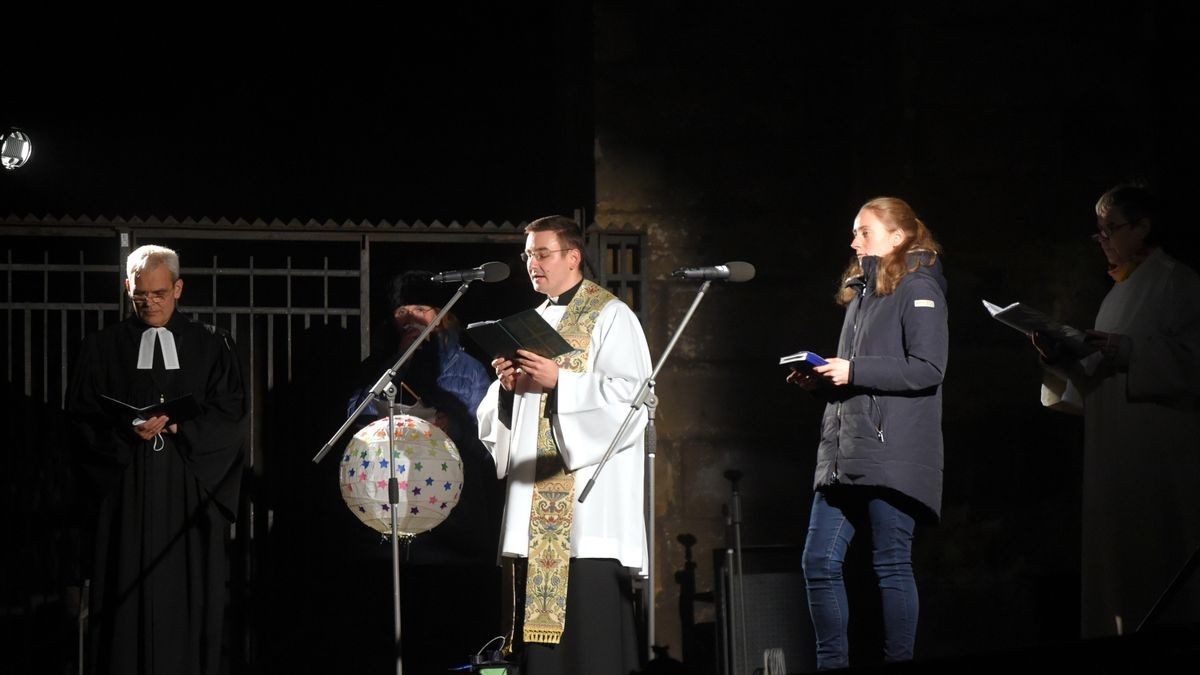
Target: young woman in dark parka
column 879, row 463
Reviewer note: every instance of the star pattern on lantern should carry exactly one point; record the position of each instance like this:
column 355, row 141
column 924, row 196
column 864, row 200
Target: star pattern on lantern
column 422, row 453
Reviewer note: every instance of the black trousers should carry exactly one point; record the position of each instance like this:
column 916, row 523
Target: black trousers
column 600, row 636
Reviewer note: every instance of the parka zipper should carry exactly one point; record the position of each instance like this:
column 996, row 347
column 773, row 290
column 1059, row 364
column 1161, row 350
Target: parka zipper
column 877, row 424
column 862, row 294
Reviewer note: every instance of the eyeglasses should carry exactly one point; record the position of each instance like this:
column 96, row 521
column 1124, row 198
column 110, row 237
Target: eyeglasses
column 155, row 297
column 541, row 254
column 405, row 310
column 1106, row 233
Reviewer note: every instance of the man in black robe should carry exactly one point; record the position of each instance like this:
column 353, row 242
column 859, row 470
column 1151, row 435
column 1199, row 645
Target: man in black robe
column 166, row 489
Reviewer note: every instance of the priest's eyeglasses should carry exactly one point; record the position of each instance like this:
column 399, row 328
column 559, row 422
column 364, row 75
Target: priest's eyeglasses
column 155, row 297
column 1106, row 233
column 542, row 253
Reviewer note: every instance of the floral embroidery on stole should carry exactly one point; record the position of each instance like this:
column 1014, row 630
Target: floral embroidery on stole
column 554, row 487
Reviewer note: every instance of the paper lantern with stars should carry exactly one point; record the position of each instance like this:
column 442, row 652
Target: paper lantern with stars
column 428, row 468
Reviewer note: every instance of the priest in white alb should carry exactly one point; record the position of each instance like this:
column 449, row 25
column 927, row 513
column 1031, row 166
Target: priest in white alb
column 548, row 423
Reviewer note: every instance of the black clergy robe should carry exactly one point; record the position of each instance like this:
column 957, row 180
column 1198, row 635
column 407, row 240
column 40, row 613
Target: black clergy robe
column 159, row 569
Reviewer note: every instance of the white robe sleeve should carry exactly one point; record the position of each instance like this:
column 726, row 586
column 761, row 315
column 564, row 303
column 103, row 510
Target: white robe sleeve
column 591, row 406
column 493, row 432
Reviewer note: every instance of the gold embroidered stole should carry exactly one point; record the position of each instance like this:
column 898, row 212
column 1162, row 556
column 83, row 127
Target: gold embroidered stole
column 554, row 487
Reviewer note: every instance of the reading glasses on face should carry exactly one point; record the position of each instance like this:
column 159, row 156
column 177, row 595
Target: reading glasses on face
column 541, row 254
column 156, row 297
column 1106, row 233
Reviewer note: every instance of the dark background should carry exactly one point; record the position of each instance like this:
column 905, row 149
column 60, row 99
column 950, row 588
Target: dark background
column 727, row 132
column 458, row 113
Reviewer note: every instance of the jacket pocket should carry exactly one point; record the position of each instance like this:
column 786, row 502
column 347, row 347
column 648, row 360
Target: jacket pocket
column 877, row 417
column 863, row 421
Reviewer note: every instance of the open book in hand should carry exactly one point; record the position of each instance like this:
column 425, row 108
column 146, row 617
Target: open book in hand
column 524, row 330
column 802, row 360
column 1029, row 320
column 179, row 409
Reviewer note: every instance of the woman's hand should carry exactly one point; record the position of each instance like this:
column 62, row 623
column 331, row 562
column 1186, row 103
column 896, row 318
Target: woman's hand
column 836, row 371
column 805, row 380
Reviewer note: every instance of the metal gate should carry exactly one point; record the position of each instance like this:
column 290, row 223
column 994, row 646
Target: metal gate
column 297, row 299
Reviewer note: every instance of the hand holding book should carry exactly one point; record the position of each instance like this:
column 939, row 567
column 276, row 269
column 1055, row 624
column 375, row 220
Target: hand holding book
column 1053, row 339
column 802, row 373
column 179, row 409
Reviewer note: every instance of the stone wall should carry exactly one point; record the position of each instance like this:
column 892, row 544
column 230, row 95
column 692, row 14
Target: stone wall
column 754, row 134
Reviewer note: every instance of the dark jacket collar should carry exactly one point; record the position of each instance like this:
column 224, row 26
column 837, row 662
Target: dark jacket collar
column 922, row 261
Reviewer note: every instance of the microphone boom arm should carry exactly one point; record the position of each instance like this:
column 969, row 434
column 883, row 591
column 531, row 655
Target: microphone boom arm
column 645, row 392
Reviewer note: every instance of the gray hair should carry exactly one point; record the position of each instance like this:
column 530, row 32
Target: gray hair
column 149, row 257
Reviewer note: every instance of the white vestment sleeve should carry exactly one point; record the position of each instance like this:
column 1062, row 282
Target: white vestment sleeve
column 591, row 406
column 494, row 434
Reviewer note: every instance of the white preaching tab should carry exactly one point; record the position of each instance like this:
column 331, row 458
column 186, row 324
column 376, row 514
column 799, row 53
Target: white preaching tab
column 923, row 303
column 146, row 350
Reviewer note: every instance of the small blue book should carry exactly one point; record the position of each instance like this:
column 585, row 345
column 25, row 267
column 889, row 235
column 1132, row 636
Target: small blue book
column 802, row 360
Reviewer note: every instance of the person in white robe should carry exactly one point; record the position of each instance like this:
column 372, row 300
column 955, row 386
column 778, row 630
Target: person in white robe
column 1139, row 392
column 586, row 404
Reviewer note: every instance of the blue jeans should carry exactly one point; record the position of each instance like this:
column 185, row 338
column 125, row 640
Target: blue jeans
column 836, row 516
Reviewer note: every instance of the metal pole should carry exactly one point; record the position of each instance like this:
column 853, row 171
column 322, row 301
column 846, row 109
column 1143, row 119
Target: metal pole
column 394, row 500
column 651, row 451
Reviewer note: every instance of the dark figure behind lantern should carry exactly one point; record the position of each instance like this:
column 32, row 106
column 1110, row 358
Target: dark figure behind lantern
column 450, row 591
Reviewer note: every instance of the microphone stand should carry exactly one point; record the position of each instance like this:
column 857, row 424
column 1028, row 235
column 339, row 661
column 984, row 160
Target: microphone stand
column 651, row 451
column 644, row 396
column 738, row 614
column 393, row 501
column 384, row 387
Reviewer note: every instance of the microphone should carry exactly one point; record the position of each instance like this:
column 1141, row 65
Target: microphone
column 731, row 271
column 488, row 272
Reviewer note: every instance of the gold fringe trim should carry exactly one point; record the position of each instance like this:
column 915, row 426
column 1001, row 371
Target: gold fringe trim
column 543, row 636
